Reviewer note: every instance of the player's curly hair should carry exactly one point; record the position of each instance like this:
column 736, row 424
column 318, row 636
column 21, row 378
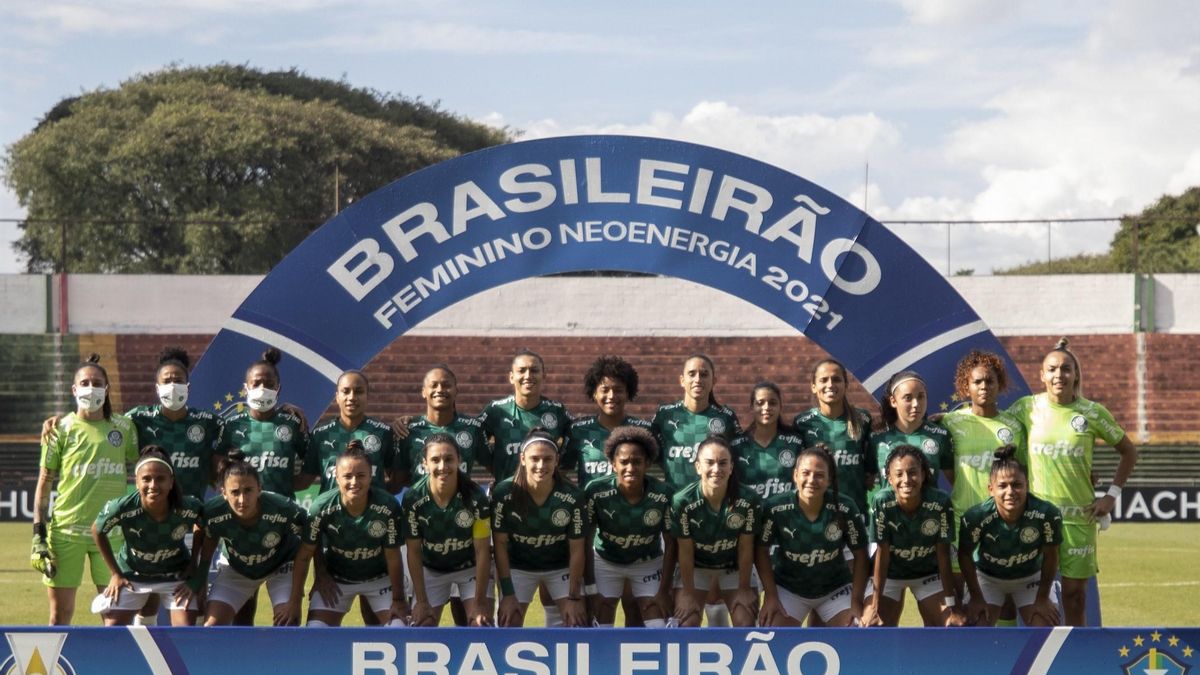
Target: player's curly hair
column 270, row 359
column 905, row 450
column 632, row 436
column 174, row 356
column 977, row 358
column 612, row 366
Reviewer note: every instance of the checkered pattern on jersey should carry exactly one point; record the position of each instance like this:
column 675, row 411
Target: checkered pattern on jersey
column 627, row 533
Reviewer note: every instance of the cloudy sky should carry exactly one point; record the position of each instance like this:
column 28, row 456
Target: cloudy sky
column 963, row 109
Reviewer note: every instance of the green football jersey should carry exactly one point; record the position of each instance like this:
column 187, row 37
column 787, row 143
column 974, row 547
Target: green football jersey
column 853, row 459
column 354, row 546
column 1061, row 441
column 93, row 462
column 975, row 439
column 627, row 533
column 913, row 538
column 679, row 432
column 466, row 430
column 584, row 450
column 930, row 438
column 507, row 424
column 153, row 550
column 1010, row 551
column 767, row 470
column 275, row 447
column 447, row 534
column 537, row 536
column 808, row 559
column 328, row 441
column 189, row 442
column 714, row 534
column 257, row 550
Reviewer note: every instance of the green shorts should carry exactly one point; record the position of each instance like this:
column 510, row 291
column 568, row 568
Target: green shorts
column 1077, row 554
column 72, row 553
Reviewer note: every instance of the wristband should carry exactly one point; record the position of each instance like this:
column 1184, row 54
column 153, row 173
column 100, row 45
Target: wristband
column 590, row 589
column 950, row 601
column 1114, row 491
column 506, row 587
column 39, row 529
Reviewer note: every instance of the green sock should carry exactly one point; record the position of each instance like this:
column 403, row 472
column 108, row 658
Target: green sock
column 1006, row 623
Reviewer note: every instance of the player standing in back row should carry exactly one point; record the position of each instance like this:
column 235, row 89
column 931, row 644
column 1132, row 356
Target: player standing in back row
column 507, row 421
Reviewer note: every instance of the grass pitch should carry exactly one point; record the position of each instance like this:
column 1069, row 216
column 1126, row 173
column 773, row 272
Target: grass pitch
column 1147, row 578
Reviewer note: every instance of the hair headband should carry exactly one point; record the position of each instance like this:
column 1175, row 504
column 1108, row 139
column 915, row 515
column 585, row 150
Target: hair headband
column 148, row 460
column 902, row 381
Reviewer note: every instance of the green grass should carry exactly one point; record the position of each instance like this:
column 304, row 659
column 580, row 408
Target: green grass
column 1147, row 578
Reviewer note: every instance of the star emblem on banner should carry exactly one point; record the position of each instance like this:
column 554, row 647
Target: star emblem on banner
column 1160, row 659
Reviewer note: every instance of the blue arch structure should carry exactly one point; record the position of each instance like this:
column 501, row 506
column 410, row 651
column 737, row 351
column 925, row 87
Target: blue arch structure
column 469, row 224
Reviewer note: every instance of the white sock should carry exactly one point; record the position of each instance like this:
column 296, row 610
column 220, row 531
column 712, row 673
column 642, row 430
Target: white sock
column 316, row 623
column 139, row 620
column 604, row 625
column 553, row 616
column 718, row 614
column 655, row 623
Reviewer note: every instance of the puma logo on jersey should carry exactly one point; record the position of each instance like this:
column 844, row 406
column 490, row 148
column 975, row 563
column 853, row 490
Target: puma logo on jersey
column 423, row 519
column 673, row 423
column 611, row 514
column 515, row 515
column 991, row 536
column 329, row 443
column 510, row 422
column 239, row 432
column 333, row 528
column 744, row 460
column 152, row 431
column 131, row 530
column 895, row 526
column 791, row 532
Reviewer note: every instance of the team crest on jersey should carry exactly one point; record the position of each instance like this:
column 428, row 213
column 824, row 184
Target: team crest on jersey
column 1029, row 535
column 371, row 443
column 195, row 433
column 1079, row 424
column 929, row 446
column 787, row 459
column 464, row 439
column 652, row 518
column 270, row 540
column 716, row 426
column 1005, row 435
column 735, row 521
column 115, row 438
column 283, row 434
column 833, row 532
column 560, row 518
column 178, row 533
column 929, row 527
column 376, row 528
column 549, row 420
column 463, row 518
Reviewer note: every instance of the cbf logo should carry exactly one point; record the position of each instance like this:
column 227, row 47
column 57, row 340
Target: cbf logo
column 39, row 653
column 1156, row 653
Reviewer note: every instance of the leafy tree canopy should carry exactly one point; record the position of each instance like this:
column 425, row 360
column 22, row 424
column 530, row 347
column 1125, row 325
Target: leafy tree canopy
column 223, row 169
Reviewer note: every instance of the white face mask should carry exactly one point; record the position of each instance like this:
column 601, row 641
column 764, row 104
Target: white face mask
column 90, row 399
column 173, row 395
column 261, row 399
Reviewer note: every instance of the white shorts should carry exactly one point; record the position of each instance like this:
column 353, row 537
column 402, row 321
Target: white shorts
column 643, row 577
column 922, row 587
column 525, row 583
column 441, row 586
column 827, row 606
column 135, row 598
column 704, row 578
column 1023, row 590
column 234, row 589
column 377, row 592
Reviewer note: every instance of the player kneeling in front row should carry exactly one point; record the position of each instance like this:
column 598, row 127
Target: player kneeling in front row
column 448, row 535
column 261, row 532
column 357, row 528
column 809, row 527
column 628, row 511
column 538, row 528
column 913, row 524
column 714, row 521
column 153, row 560
column 1008, row 545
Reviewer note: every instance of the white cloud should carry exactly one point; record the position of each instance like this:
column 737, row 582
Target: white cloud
column 810, row 145
column 959, row 12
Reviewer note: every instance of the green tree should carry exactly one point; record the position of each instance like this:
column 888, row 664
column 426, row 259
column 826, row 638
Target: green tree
column 214, row 170
column 1167, row 236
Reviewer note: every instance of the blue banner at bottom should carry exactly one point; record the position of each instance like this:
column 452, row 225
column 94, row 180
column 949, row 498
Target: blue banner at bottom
column 541, row 651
